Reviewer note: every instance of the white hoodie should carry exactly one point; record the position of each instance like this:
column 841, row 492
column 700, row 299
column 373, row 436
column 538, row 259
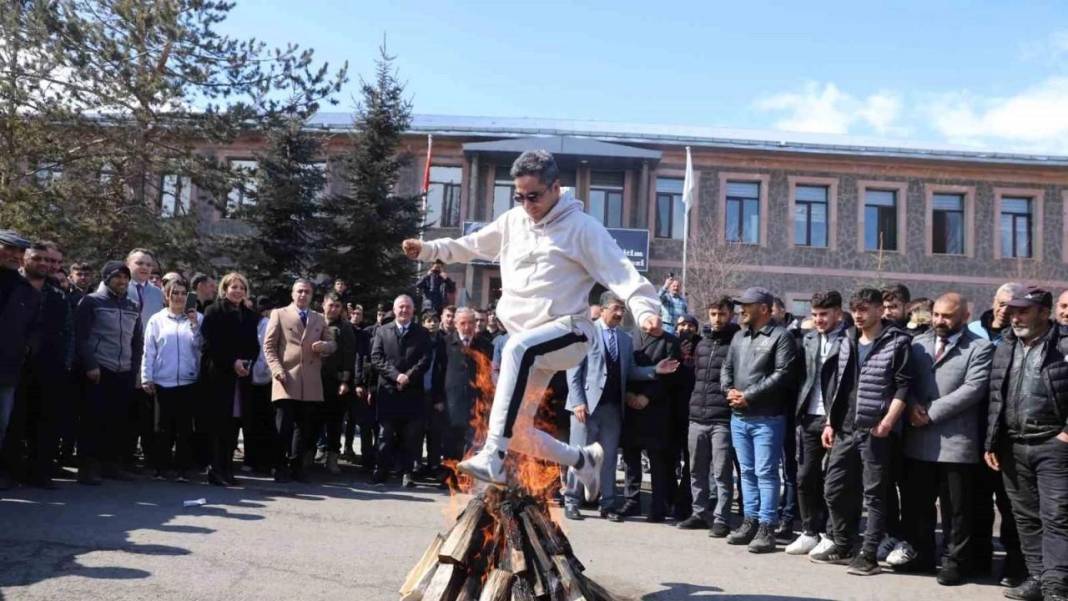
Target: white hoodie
column 548, row 268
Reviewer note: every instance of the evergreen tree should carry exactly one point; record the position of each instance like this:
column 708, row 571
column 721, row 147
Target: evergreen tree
column 367, row 223
column 283, row 213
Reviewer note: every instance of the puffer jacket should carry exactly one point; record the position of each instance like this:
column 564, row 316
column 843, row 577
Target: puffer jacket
column 708, row 403
column 1035, row 421
column 108, row 333
column 883, row 377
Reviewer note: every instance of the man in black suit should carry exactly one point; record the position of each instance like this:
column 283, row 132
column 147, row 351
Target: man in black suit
column 454, row 382
column 401, row 356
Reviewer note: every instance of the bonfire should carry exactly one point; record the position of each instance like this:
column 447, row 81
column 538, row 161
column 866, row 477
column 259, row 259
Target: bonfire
column 504, row 544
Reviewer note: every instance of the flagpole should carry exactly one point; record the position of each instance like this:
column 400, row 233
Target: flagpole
column 687, row 201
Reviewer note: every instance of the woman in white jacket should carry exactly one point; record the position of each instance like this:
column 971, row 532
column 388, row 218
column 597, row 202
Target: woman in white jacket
column 551, row 254
column 170, row 369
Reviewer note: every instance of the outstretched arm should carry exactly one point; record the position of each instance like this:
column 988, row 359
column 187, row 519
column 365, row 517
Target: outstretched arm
column 484, row 244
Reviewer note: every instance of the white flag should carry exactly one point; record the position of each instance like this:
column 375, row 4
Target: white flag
column 689, row 186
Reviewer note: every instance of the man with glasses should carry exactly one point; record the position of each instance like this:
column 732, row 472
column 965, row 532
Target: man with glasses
column 551, row 254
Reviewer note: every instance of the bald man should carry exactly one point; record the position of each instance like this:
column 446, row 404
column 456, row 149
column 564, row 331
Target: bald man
column 942, row 446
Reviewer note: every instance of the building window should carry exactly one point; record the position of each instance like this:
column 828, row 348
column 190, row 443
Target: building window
column 503, row 190
column 176, row 195
column 241, row 194
column 743, row 212
column 48, row 173
column 1016, row 220
column 606, row 197
column 800, row 307
column 880, row 220
column 810, row 216
column 670, row 211
column 947, row 224
column 443, row 197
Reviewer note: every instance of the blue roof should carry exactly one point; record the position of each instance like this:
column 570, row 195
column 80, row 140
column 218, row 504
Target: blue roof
column 703, row 136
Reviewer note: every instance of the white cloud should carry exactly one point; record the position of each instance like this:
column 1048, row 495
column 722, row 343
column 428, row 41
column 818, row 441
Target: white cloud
column 1033, row 120
column 824, row 108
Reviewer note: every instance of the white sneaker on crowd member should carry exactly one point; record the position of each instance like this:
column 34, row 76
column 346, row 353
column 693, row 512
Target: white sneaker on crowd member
column 486, row 465
column 887, row 545
column 803, row 544
column 589, row 473
column 823, row 546
column 902, row 554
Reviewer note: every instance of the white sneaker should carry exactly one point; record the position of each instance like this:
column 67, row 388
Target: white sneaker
column 887, row 545
column 902, row 554
column 487, row 465
column 824, row 545
column 803, row 544
column 590, row 472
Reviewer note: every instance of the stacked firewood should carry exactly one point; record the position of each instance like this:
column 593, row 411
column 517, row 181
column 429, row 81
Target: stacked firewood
column 503, row 546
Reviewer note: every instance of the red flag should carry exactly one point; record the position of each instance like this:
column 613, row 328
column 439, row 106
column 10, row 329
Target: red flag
column 426, row 169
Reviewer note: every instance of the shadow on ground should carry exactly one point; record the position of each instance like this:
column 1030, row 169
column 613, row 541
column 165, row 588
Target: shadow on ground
column 47, row 533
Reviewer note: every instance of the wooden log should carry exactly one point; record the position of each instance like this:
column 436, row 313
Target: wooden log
column 545, row 566
column 463, row 539
column 426, row 563
column 569, row 579
column 517, row 559
column 554, row 540
column 596, row 591
column 521, row 590
column 416, row 594
column 498, row 586
column 470, row 590
column 446, row 583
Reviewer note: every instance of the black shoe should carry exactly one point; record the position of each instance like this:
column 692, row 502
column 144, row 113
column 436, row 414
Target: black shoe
column 864, row 564
column 784, row 532
column 694, row 522
column 88, row 473
column 1012, row 581
column 572, row 513
column 407, row 482
column 182, row 476
column 764, row 541
column 44, row 482
column 158, row 475
column 744, row 534
column 379, row 477
column 216, row 479
column 949, row 575
column 629, row 509
column 614, row 516
column 1030, row 590
column 835, row 555
column 719, row 530
column 656, row 517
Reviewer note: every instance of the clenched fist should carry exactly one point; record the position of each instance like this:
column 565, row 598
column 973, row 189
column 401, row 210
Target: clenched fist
column 412, row 247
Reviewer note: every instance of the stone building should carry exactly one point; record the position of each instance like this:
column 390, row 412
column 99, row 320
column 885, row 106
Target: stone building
column 796, row 213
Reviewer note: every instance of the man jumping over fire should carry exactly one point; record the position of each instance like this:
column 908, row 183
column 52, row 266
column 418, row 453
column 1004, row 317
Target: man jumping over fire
column 551, row 254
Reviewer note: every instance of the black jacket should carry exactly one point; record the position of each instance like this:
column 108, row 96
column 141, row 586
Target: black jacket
column 1035, row 421
column 229, row 333
column 652, row 426
column 810, row 355
column 19, row 305
column 708, row 403
column 391, row 356
column 338, row 366
column 361, row 374
column 455, row 369
column 51, row 341
column 873, row 385
column 766, row 372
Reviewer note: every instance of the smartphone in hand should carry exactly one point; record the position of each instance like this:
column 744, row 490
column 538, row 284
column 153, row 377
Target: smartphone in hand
column 191, row 302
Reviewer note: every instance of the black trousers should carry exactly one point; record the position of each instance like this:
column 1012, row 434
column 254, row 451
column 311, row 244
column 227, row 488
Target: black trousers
column 329, row 416
column 399, row 441
column 295, row 422
column 361, row 415
column 105, row 417
column 810, row 499
column 70, row 401
column 174, row 427
column 661, row 471
column 142, row 416
column 260, row 436
column 1036, row 480
column 32, row 438
column 436, row 424
column 894, row 487
column 858, row 475
column 990, row 492
column 952, row 486
column 788, row 501
column 679, row 483
column 456, row 440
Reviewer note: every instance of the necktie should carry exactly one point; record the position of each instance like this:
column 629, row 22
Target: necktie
column 940, row 348
column 465, row 341
column 304, row 316
column 613, row 348
column 140, row 295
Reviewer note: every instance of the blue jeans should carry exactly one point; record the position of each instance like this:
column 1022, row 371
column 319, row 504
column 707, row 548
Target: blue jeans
column 758, row 445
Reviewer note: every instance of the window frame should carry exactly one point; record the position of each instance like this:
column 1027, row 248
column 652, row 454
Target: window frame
column 900, row 190
column 242, row 189
column 968, row 193
column 671, row 213
column 608, row 191
column 1038, row 198
column 831, row 183
column 181, row 193
column 446, row 186
column 762, row 203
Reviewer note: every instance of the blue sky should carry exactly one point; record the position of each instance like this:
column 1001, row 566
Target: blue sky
column 990, row 74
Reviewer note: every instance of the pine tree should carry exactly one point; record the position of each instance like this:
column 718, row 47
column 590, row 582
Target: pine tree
column 283, row 215
column 368, row 222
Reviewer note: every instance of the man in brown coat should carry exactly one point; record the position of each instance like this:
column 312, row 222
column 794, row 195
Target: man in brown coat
column 295, row 342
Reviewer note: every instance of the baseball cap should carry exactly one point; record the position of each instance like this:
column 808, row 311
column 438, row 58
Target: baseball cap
column 1033, row 297
column 755, row 295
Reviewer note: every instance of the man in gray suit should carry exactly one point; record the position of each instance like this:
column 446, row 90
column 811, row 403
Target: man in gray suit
column 595, row 399
column 942, row 444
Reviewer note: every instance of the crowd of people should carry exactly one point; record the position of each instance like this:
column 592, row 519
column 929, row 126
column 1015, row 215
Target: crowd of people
column 876, row 405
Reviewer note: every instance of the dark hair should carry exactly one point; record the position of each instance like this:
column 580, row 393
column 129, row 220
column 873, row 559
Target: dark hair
column 777, row 302
column 81, row 266
column 610, row 298
column 46, row 245
column 536, row 162
column 384, row 308
column 829, row 299
column 865, row 296
column 332, row 296
column 175, row 282
column 449, row 308
column 723, row 302
column 896, row 292
column 431, row 316
column 199, row 279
